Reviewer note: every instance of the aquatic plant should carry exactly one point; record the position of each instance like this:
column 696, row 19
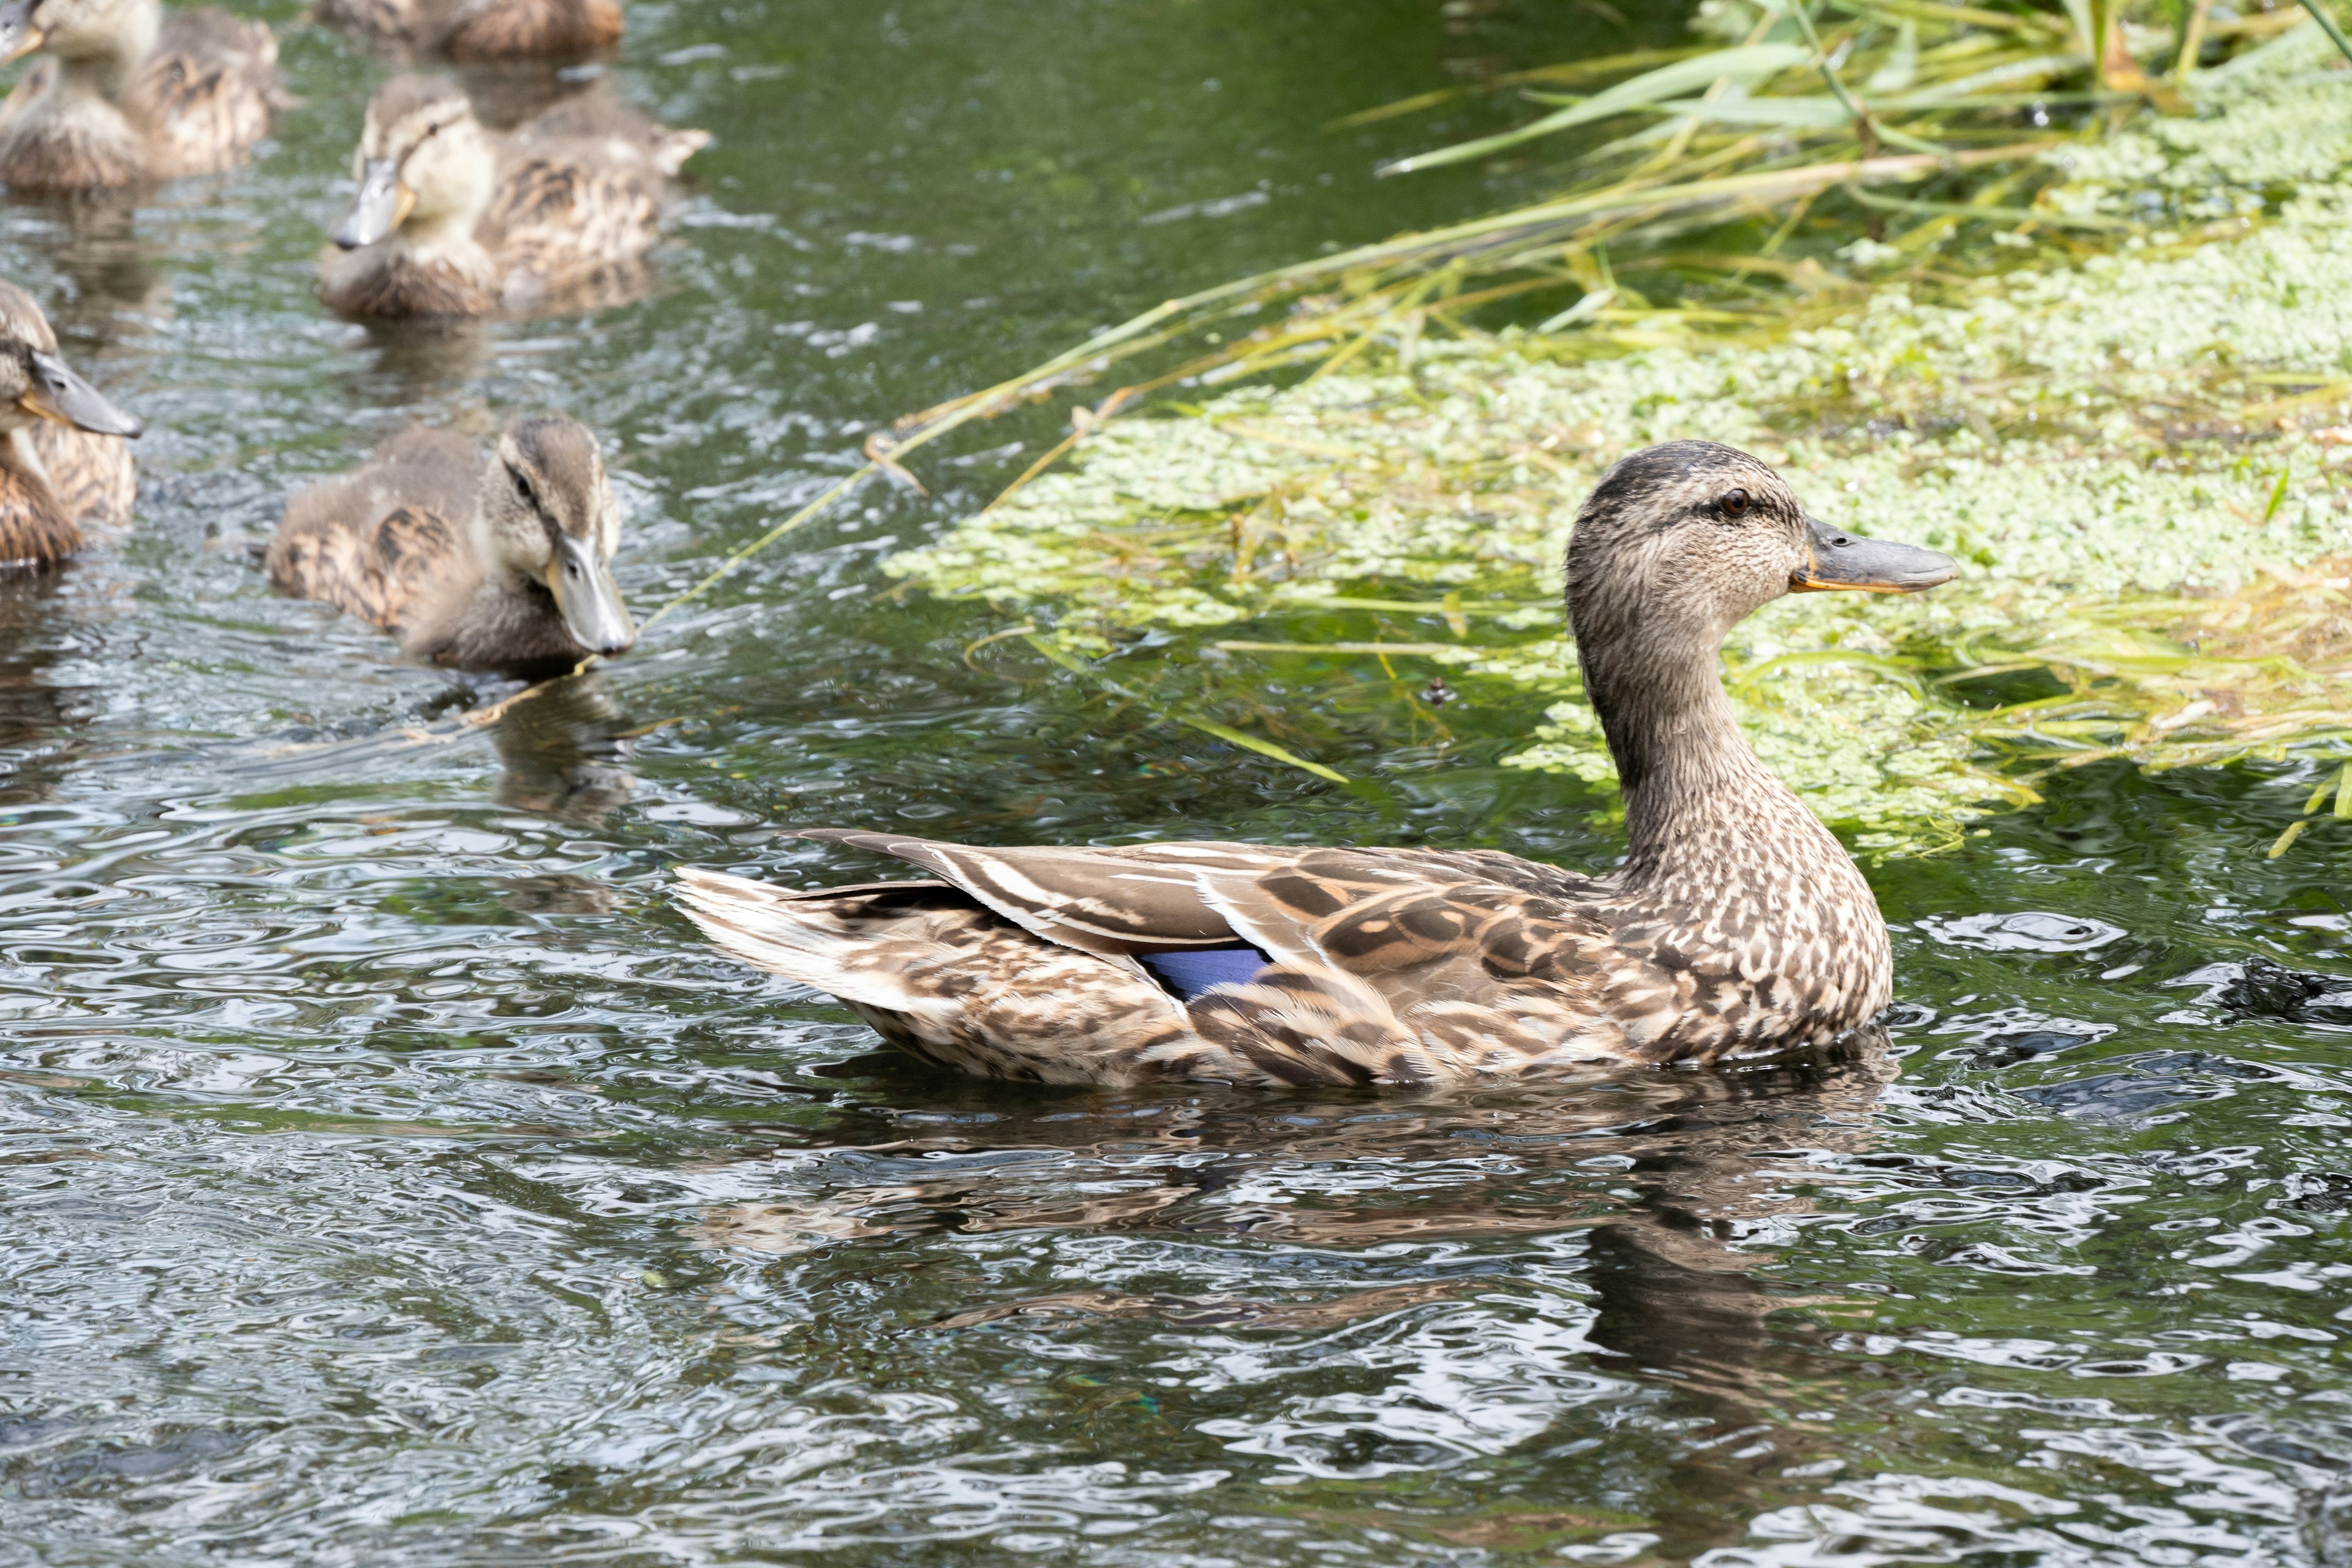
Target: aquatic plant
column 2133, row 432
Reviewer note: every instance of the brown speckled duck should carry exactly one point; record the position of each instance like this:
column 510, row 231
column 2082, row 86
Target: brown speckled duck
column 126, row 95
column 499, row 566
column 481, row 30
column 1737, row 924
column 452, row 222
column 64, row 450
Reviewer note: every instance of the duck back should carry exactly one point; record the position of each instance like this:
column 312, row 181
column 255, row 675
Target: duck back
column 205, row 95
column 386, row 544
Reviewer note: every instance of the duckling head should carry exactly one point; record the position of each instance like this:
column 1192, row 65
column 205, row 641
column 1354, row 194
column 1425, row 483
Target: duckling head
column 79, row 30
column 549, row 518
column 36, row 383
column 424, row 161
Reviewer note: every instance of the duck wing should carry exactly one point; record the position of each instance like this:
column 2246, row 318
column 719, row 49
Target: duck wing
column 947, row 979
column 1411, row 963
column 388, row 542
column 579, row 203
column 206, row 92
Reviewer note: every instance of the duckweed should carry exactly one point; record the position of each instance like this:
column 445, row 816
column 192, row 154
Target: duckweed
column 2139, row 453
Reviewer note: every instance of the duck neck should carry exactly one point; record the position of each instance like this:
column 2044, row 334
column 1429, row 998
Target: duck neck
column 97, row 64
column 1695, row 790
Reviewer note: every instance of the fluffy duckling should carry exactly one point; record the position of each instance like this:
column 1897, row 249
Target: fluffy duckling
column 504, row 565
column 126, row 96
column 451, row 223
column 65, row 451
column 1738, row 923
column 478, row 30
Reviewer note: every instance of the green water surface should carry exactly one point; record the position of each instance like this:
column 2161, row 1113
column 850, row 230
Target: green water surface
column 389, row 1176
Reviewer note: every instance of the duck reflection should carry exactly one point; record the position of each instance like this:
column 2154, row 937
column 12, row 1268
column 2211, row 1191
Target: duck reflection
column 1662, row 1176
column 116, row 283
column 562, row 752
column 38, row 717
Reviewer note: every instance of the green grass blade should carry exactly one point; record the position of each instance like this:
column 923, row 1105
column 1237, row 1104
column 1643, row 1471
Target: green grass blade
column 1751, row 63
column 2328, row 22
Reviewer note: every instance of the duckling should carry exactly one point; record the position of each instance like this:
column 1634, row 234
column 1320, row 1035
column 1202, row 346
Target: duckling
column 1737, row 923
column 503, row 565
column 473, row 30
column 126, row 96
column 64, row 448
column 450, row 224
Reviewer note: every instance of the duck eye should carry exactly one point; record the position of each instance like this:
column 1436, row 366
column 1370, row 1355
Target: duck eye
column 1735, row 504
column 522, row 487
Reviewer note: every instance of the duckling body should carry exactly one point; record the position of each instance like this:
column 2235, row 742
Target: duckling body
column 503, row 565
column 472, row 30
column 453, row 222
column 1737, row 923
column 65, row 453
column 126, row 95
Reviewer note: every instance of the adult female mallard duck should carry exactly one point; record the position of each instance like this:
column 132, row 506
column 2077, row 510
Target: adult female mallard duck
column 475, row 30
column 1737, row 923
column 65, row 451
column 448, row 222
column 501, row 566
column 126, row 96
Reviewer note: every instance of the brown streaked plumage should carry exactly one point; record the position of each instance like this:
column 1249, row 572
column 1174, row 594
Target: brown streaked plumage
column 126, row 95
column 468, row 31
column 64, row 450
column 1737, row 924
column 504, row 565
column 454, row 222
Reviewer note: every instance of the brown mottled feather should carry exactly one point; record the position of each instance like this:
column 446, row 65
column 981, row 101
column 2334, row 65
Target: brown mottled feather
column 483, row 29
column 1737, row 925
column 92, row 477
column 33, row 527
column 206, row 94
column 386, row 540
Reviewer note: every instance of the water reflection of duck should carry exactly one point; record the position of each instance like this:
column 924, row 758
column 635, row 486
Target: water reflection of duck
column 1654, row 1188
column 127, row 95
column 1738, row 923
column 64, row 448
column 450, row 223
column 481, row 29
column 503, row 566
column 562, row 753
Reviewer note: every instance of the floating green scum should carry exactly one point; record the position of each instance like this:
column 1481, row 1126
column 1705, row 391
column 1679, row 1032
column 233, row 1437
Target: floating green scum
column 2142, row 446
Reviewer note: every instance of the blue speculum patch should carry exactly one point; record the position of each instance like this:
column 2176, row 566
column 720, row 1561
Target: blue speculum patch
column 1187, row 975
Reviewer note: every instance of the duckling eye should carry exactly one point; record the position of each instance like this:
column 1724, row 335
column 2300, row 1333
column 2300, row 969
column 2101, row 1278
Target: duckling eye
column 522, row 487
column 1734, row 503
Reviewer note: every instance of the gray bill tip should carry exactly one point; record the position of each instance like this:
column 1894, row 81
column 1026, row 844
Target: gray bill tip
column 1837, row 561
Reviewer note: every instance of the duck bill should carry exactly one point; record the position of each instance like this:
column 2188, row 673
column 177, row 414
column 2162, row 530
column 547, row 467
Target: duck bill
column 383, row 205
column 59, row 395
column 1839, row 562
column 18, row 36
column 588, row 599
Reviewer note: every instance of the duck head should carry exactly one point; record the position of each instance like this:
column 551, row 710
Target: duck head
column 549, row 518
column 79, row 30
column 36, row 383
column 422, row 160
column 1676, row 545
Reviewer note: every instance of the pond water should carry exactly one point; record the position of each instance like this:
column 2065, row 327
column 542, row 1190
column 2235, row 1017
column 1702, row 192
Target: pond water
column 390, row 1176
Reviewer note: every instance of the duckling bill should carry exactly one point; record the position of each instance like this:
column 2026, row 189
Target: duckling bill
column 497, row 565
column 1737, row 924
column 64, row 448
column 126, row 95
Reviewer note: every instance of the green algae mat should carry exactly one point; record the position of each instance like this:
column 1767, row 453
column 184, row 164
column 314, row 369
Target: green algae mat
column 2144, row 455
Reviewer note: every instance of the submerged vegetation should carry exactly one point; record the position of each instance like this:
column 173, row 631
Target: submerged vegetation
column 2110, row 368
